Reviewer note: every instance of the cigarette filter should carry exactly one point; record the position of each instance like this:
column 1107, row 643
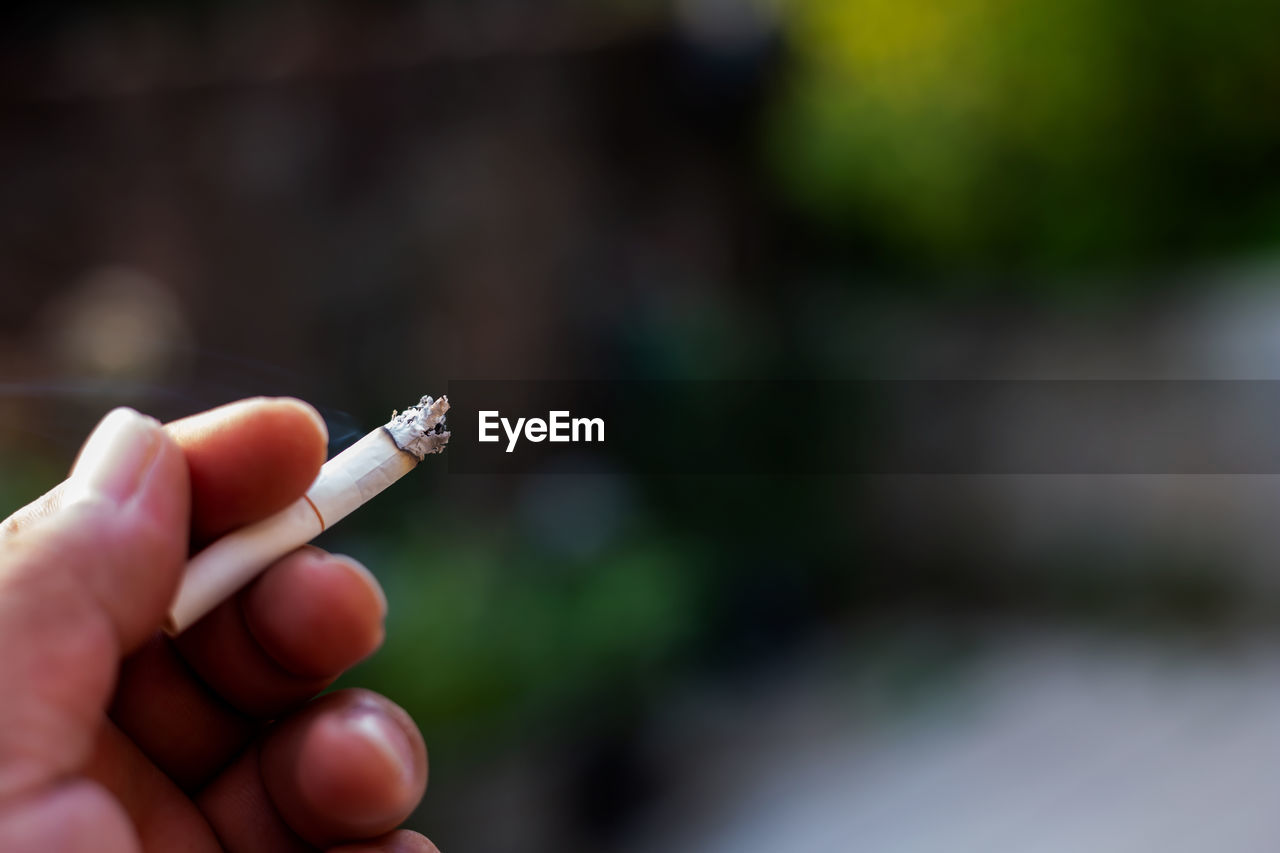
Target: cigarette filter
column 345, row 482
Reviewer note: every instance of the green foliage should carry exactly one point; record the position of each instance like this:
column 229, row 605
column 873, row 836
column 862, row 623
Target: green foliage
column 26, row 477
column 1048, row 132
column 482, row 637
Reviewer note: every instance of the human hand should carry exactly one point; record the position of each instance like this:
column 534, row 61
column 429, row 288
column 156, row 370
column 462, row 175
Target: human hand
column 117, row 739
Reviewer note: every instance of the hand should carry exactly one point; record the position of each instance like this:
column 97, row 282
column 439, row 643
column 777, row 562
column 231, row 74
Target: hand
column 114, row 738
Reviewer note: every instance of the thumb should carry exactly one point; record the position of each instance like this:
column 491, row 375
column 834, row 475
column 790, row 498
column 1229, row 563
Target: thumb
column 80, row 587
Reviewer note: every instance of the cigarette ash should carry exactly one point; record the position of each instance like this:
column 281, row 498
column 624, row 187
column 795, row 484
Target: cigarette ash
column 420, row 429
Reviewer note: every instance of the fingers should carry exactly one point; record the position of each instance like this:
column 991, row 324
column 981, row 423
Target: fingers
column 280, row 641
column 175, row 719
column 79, row 587
column 350, row 766
column 74, row 817
column 162, row 816
column 303, row 622
column 300, row 624
column 86, row 574
column 248, row 459
column 120, row 532
column 316, row 614
column 294, row 630
column 403, row 841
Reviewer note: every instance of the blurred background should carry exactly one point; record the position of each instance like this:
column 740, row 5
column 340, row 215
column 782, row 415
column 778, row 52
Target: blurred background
column 354, row 203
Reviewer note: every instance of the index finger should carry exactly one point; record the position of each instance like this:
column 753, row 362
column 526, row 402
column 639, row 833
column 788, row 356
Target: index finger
column 248, row 460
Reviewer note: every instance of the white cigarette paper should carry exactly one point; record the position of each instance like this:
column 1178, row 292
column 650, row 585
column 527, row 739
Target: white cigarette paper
column 345, row 482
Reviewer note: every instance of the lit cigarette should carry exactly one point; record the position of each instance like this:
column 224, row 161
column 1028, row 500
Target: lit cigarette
column 346, row 481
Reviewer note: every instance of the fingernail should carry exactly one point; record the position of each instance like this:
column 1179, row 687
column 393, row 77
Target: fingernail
column 387, row 738
column 369, row 577
column 115, row 460
column 311, row 411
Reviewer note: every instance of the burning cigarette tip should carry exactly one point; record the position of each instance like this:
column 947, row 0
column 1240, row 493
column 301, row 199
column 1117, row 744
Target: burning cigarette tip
column 420, row 429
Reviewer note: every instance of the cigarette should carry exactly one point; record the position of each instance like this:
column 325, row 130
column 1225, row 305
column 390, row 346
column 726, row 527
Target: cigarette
column 346, row 481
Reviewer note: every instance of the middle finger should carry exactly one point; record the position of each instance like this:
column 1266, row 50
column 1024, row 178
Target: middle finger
column 193, row 703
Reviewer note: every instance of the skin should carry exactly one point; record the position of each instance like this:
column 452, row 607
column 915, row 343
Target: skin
column 117, row 739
